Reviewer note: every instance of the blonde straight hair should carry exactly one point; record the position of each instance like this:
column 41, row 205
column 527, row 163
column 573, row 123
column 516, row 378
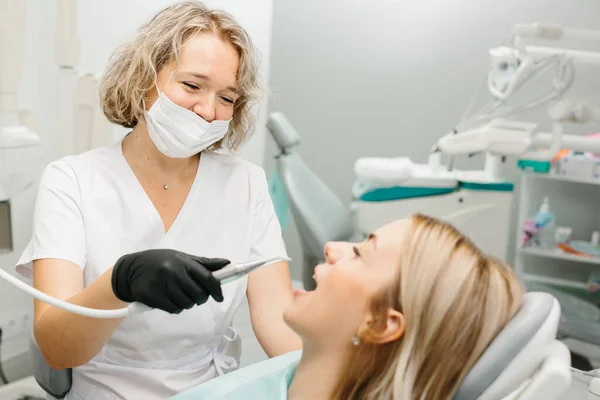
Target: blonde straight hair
column 133, row 68
column 455, row 300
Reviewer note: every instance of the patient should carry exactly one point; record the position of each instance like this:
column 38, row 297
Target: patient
column 403, row 315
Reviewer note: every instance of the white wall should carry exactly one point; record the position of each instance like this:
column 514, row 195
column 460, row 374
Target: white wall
column 388, row 77
column 103, row 24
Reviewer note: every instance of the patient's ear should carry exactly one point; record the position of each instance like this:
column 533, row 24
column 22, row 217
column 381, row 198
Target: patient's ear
column 382, row 332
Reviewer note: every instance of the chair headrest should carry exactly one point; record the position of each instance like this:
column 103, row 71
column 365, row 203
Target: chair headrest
column 282, row 131
column 516, row 335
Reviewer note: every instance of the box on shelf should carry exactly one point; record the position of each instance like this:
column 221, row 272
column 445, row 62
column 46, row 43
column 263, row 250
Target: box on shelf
column 578, row 166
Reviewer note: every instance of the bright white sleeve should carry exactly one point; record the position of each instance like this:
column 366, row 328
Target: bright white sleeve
column 265, row 232
column 58, row 229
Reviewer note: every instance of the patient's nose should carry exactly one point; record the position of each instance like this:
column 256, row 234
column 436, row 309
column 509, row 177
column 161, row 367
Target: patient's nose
column 335, row 251
column 330, row 254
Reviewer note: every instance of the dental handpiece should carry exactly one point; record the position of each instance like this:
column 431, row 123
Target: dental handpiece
column 225, row 275
column 233, row 272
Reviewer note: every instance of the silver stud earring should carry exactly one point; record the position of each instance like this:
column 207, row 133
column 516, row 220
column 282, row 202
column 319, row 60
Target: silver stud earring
column 355, row 340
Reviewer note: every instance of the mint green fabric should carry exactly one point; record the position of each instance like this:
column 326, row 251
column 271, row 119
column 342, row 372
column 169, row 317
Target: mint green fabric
column 267, row 380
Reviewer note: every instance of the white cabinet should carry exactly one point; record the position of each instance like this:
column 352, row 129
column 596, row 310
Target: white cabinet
column 576, row 204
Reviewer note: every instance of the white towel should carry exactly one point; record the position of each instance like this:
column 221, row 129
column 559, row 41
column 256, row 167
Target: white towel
column 384, row 171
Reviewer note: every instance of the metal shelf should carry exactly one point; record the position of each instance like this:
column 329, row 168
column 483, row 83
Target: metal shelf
column 554, row 177
column 555, row 281
column 558, row 254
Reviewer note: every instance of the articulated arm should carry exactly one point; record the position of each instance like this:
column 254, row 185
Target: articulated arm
column 513, row 68
column 500, row 137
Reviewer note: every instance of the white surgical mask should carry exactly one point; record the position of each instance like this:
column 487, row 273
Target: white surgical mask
column 180, row 133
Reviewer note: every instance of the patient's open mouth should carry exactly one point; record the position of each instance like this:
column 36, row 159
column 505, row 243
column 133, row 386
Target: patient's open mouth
column 300, row 292
column 303, row 292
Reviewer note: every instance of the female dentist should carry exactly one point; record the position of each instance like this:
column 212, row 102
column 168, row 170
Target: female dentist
column 145, row 220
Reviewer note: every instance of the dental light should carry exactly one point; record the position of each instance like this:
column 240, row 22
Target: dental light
column 514, row 67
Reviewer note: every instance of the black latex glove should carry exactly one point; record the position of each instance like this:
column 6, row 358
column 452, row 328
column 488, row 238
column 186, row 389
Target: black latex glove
column 167, row 279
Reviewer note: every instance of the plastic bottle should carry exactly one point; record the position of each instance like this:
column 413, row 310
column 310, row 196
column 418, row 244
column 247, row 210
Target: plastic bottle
column 545, row 220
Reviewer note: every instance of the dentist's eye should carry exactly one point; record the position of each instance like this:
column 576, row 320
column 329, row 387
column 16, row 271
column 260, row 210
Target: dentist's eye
column 356, row 252
column 191, row 85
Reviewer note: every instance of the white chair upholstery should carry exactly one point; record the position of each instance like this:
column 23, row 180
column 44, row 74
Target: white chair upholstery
column 525, row 361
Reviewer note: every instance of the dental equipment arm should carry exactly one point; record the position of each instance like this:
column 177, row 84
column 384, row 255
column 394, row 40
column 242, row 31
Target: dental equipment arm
column 501, row 141
column 499, row 137
column 554, row 32
column 224, row 275
column 512, row 70
column 574, row 111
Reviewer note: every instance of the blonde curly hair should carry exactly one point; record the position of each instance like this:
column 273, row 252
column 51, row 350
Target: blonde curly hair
column 133, row 68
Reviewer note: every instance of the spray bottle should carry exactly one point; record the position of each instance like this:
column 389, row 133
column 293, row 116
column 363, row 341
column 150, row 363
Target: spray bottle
column 544, row 220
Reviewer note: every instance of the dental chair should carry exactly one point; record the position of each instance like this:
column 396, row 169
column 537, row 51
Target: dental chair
column 56, row 383
column 525, row 361
column 319, row 215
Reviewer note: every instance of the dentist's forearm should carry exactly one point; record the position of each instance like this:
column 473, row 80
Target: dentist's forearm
column 276, row 337
column 269, row 293
column 69, row 340
column 287, row 341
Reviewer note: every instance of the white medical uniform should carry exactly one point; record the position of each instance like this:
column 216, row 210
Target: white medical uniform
column 91, row 210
